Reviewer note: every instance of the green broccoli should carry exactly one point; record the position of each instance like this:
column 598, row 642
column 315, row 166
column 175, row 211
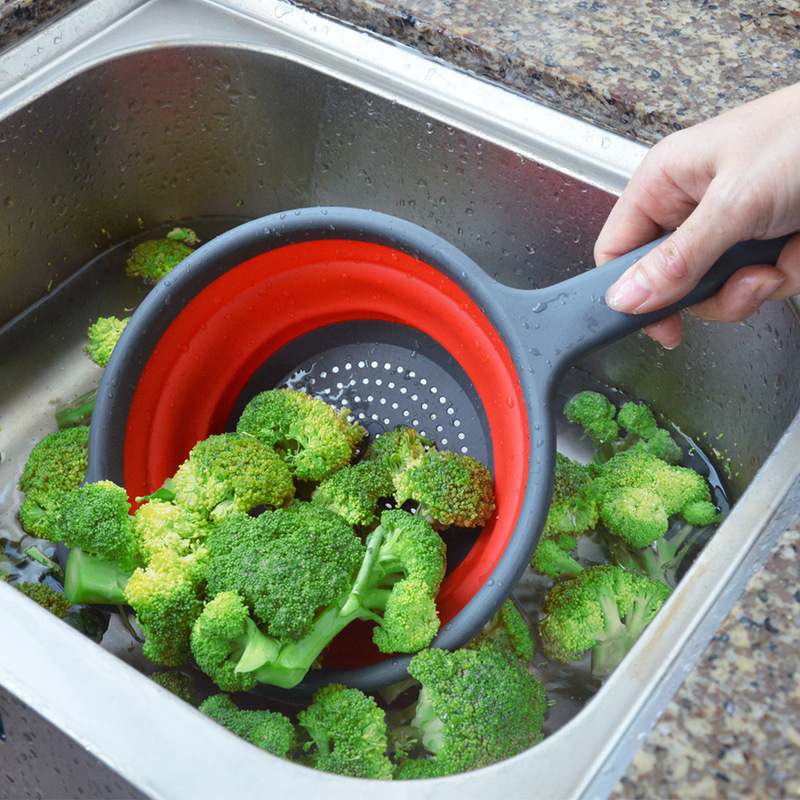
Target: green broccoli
column 159, row 525
column 347, row 733
column 643, row 433
column 403, row 555
column 398, row 448
column 355, row 491
column 603, row 609
column 57, row 464
column 180, row 684
column 230, row 472
column 637, row 493
column 151, row 260
column 509, row 627
column 167, row 596
column 103, row 337
column 312, row 437
column 287, row 564
column 595, row 413
column 448, row 489
column 477, row 705
column 185, row 235
column 96, row 518
column 47, row 597
column 602, row 422
column 267, row 730
column 573, row 512
column 222, row 636
column 168, row 589
column 399, row 580
column 94, row 521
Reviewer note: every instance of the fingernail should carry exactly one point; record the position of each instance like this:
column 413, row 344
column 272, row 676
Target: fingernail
column 630, row 292
column 765, row 290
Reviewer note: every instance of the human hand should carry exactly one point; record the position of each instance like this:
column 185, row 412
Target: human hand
column 731, row 178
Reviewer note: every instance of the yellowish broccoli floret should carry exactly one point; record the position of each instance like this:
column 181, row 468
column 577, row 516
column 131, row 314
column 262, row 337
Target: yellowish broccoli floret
column 314, row 439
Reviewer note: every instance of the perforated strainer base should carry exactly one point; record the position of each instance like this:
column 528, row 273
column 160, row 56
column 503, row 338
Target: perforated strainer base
column 387, row 375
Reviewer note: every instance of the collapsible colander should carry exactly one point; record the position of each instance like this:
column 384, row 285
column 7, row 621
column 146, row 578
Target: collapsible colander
column 387, row 319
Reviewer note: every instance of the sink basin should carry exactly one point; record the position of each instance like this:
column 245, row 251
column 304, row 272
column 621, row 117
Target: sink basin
column 123, row 117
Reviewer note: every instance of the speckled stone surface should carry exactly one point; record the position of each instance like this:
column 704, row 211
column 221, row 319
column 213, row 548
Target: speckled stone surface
column 18, row 17
column 733, row 729
column 638, row 67
column 642, row 68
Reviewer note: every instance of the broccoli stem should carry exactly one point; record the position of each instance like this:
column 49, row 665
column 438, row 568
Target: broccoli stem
column 77, row 412
column 618, row 636
column 614, row 643
column 293, row 660
column 257, row 648
column 661, row 560
column 365, row 579
column 89, row 579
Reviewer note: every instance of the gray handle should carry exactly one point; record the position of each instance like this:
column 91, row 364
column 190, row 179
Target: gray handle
column 565, row 321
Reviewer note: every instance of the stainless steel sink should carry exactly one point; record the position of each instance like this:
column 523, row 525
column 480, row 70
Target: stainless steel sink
column 125, row 116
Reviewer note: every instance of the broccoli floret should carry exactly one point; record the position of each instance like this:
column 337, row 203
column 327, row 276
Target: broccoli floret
column 167, row 598
column 573, row 508
column 478, row 705
column 179, row 684
column 153, row 259
column 635, row 514
column 267, row 730
column 644, row 434
column 398, row 448
column 637, row 494
column 185, row 235
column 94, row 521
column 348, row 734
column 287, row 564
column 159, row 525
column 603, row 609
column 57, row 465
column 225, row 636
column 403, row 549
column 230, row 472
column 313, row 438
column 573, row 512
column 96, row 518
column 602, row 423
column 449, row 489
column 355, row 492
column 47, row 597
column 404, row 565
column 595, row 413
column 553, row 556
column 103, row 337
column 508, row 627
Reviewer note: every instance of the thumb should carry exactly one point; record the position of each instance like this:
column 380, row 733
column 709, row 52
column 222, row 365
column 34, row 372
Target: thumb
column 673, row 268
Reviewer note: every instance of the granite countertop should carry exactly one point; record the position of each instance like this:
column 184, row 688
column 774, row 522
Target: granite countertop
column 642, row 69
